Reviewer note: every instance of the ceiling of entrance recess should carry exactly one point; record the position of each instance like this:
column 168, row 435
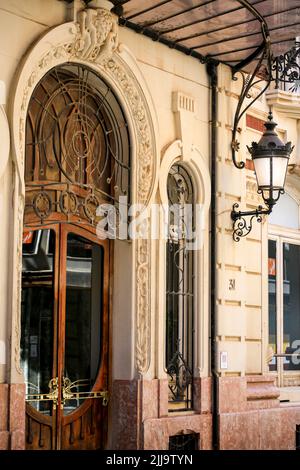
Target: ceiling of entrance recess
column 226, row 30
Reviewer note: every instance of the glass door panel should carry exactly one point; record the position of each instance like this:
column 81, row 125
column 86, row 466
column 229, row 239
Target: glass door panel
column 37, row 317
column 64, row 339
column 84, row 291
column 272, row 279
column 291, row 305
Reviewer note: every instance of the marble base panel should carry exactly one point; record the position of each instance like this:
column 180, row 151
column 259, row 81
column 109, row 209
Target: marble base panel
column 124, row 406
column 140, row 418
column 12, row 416
column 239, row 394
column 250, row 415
column 157, row 432
column 269, row 429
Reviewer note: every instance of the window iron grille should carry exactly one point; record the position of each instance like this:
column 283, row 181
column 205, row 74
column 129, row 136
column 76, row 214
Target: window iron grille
column 180, row 290
column 184, row 442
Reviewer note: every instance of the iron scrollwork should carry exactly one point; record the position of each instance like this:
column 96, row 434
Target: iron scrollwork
column 287, row 70
column 77, row 151
column 241, row 227
column 262, row 70
column 262, row 73
column 180, row 379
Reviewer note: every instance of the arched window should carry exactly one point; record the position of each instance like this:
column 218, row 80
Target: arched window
column 77, row 147
column 285, row 213
column 180, row 289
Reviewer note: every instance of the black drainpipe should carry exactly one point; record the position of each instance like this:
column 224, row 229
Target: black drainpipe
column 212, row 70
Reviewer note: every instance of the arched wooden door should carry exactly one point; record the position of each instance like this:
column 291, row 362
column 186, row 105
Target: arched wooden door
column 64, row 344
column 77, row 158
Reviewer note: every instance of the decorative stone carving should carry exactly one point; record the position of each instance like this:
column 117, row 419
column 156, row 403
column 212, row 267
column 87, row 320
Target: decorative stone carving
column 138, row 106
column 143, row 306
column 96, row 33
column 17, row 317
column 93, row 41
column 118, row 73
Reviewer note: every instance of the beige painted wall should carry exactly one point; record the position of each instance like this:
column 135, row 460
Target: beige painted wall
column 21, row 23
column 243, row 310
column 241, row 326
column 20, row 27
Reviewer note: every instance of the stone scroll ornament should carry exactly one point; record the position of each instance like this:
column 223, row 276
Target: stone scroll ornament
column 96, row 33
column 95, row 41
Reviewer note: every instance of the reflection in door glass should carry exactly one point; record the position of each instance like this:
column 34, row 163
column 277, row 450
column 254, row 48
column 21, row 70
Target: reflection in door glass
column 291, row 305
column 272, row 303
column 37, row 315
column 83, row 319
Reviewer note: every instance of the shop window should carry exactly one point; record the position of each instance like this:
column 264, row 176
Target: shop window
column 285, row 213
column 284, row 293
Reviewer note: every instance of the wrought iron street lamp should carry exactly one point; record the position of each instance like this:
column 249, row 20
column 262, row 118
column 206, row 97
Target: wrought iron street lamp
column 270, row 157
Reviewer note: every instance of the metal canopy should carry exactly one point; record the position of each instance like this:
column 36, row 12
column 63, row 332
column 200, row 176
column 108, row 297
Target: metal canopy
column 230, row 31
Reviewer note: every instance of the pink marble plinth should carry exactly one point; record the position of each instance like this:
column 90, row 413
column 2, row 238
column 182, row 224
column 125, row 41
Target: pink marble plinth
column 124, row 405
column 157, row 432
column 12, row 416
column 3, row 407
column 140, row 418
column 263, row 429
column 251, row 416
column 4, row 440
column 202, row 394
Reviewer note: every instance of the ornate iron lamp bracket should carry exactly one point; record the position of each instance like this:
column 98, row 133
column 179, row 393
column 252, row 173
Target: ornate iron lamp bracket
column 240, row 226
column 262, row 73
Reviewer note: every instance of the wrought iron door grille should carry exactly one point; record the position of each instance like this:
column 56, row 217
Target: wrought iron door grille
column 179, row 291
column 77, row 147
column 184, row 442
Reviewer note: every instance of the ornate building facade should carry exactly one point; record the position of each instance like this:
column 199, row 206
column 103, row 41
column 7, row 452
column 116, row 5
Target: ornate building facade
column 107, row 343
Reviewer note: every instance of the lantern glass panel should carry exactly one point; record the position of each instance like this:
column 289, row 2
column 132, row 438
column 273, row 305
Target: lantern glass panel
column 263, row 171
column 279, row 171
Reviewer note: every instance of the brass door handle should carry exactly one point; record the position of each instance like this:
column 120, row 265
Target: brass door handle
column 51, row 396
column 69, row 394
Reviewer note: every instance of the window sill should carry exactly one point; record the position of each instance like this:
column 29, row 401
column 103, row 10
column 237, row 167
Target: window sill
column 181, row 413
column 284, row 101
column 290, row 393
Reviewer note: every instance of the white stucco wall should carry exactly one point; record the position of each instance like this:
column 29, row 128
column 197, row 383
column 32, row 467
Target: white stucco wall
column 164, row 71
column 242, row 324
